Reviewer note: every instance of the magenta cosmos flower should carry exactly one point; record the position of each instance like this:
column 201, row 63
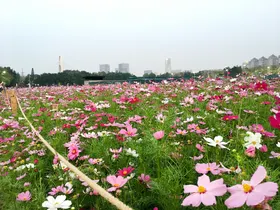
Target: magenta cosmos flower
column 116, row 182
column 252, row 192
column 204, row 168
column 275, row 121
column 205, row 192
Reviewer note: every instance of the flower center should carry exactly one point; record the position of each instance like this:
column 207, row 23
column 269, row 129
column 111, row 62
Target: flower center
column 124, row 172
column 254, row 142
column 116, row 185
column 201, row 189
column 208, row 169
column 74, row 151
column 197, row 128
column 217, row 141
column 247, row 188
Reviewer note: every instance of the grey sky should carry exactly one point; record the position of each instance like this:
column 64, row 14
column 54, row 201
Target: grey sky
column 195, row 34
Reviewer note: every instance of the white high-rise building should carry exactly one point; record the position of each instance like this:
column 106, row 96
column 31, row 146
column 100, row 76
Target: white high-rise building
column 60, row 65
column 124, row 68
column 104, row 68
column 168, row 65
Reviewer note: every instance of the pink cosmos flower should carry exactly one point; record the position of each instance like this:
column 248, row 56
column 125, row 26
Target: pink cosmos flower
column 274, row 155
column 205, row 192
column 181, row 132
column 159, row 135
column 21, row 177
column 195, row 158
column 129, row 132
column 200, row 147
column 204, row 168
column 250, row 151
column 116, row 182
column 146, row 179
column 73, row 152
column 125, row 171
column 263, row 148
column 24, row 196
column 252, row 192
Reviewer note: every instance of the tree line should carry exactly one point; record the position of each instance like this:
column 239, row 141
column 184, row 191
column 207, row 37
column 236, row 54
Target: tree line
column 76, row 77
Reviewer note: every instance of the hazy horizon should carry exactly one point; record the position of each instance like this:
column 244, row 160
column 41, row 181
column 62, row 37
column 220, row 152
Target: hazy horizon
column 196, row 35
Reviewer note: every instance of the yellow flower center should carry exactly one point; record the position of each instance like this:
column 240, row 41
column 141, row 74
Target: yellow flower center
column 208, row 169
column 124, row 172
column 116, row 185
column 74, row 151
column 201, row 189
column 197, row 128
column 247, row 188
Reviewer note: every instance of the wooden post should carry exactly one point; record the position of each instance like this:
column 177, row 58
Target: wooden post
column 55, row 107
column 13, row 101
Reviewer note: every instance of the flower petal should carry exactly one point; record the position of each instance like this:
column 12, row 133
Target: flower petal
column 269, row 189
column 236, row 200
column 258, row 176
column 193, row 199
column 254, row 198
column 208, row 199
column 190, row 188
column 203, row 180
column 235, row 189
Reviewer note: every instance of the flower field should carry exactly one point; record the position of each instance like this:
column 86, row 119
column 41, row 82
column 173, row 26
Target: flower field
column 211, row 144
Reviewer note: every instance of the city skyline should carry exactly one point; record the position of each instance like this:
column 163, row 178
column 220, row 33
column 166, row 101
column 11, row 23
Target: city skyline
column 197, row 35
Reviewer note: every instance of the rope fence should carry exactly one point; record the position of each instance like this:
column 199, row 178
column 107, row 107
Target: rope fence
column 14, row 102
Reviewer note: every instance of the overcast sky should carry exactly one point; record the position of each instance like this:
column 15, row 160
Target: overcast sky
column 195, row 34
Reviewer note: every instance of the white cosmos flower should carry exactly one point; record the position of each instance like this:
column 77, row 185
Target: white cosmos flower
column 59, row 202
column 253, row 140
column 131, row 152
column 278, row 144
column 218, row 141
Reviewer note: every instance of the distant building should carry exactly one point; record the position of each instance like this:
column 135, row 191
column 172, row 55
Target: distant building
column 148, row 72
column 116, row 70
column 123, row 68
column 254, row 63
column 104, row 68
column 168, row 65
column 176, row 71
column 273, row 61
column 263, row 62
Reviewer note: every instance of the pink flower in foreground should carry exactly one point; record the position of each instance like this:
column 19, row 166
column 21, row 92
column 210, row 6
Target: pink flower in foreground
column 204, row 168
column 205, row 192
column 200, row 147
column 251, row 151
column 24, row 196
column 263, row 148
column 195, row 158
column 252, row 192
column 274, row 155
column 129, row 132
column 145, row 179
column 116, row 182
column 73, row 152
column 159, row 135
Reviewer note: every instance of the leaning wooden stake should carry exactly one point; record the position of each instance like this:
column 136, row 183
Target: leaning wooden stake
column 13, row 99
column 109, row 197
